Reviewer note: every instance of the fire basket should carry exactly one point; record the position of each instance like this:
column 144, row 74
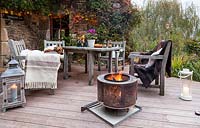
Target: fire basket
column 117, row 94
column 117, row 90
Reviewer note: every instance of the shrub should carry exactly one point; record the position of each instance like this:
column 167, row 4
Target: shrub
column 194, row 65
column 178, row 62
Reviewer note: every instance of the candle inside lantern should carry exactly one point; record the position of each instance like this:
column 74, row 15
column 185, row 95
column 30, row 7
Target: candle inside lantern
column 186, row 91
column 14, row 92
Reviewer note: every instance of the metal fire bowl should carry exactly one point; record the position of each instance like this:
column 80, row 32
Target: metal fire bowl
column 107, row 92
column 125, row 77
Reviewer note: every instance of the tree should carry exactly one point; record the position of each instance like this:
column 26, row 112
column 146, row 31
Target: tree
column 165, row 19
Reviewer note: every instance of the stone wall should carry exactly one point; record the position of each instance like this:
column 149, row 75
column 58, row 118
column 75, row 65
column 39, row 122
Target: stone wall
column 4, row 49
column 32, row 29
column 38, row 25
column 18, row 30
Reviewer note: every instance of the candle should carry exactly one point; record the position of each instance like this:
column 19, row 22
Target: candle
column 14, row 92
column 186, row 91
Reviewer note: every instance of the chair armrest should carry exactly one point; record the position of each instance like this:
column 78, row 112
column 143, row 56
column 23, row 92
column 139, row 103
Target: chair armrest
column 145, row 56
column 20, row 57
column 3, row 55
column 135, row 53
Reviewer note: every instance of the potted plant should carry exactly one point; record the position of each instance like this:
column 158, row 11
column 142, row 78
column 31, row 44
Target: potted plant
column 91, row 36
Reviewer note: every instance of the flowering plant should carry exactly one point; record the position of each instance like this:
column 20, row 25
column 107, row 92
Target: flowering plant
column 91, row 34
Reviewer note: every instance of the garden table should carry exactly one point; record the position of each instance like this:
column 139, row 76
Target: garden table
column 91, row 52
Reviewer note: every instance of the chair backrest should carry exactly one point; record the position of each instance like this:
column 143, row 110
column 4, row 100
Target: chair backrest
column 52, row 43
column 121, row 44
column 166, row 63
column 16, row 47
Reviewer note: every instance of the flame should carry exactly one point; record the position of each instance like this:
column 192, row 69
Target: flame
column 115, row 77
column 110, row 77
column 118, row 77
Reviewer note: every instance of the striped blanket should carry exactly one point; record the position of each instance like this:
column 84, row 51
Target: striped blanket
column 41, row 69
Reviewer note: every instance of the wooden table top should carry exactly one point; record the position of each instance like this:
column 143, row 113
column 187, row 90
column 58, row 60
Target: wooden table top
column 91, row 48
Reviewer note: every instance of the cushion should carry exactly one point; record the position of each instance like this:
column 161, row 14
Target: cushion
column 151, row 61
column 49, row 48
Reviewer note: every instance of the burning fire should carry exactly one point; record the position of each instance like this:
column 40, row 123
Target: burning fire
column 115, row 77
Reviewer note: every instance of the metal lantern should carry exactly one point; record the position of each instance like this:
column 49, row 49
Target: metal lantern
column 186, row 79
column 13, row 86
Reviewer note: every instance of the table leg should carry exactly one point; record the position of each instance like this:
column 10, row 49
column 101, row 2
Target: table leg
column 99, row 61
column 86, row 63
column 110, row 61
column 91, row 67
column 70, row 61
column 65, row 75
column 131, row 68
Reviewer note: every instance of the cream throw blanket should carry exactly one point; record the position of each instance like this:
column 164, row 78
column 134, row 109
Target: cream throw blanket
column 41, row 69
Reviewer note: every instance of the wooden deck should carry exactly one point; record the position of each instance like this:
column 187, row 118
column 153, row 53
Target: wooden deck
column 62, row 110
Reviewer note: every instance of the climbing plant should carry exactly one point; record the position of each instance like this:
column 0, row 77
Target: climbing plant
column 114, row 22
column 40, row 6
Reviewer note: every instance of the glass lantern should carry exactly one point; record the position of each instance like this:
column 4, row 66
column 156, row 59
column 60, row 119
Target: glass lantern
column 13, row 86
column 186, row 79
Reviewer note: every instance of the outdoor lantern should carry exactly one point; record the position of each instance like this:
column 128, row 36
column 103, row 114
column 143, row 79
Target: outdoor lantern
column 186, row 79
column 13, row 86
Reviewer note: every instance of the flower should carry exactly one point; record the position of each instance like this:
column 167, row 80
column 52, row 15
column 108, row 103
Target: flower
column 81, row 38
column 91, row 34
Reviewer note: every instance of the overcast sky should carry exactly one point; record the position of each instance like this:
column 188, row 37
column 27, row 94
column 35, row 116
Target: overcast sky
column 185, row 3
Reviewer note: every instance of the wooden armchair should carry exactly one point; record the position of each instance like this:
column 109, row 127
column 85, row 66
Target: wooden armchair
column 52, row 43
column 154, row 71
column 40, row 69
column 48, row 43
column 120, row 54
column 15, row 49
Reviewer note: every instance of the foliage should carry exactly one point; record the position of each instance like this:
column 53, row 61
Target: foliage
column 194, row 65
column 113, row 23
column 99, row 5
column 178, row 62
column 192, row 47
column 69, row 41
column 102, row 32
column 41, row 6
column 184, row 61
column 164, row 19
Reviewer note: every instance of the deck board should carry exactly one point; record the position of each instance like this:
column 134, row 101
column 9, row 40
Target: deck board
column 62, row 110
